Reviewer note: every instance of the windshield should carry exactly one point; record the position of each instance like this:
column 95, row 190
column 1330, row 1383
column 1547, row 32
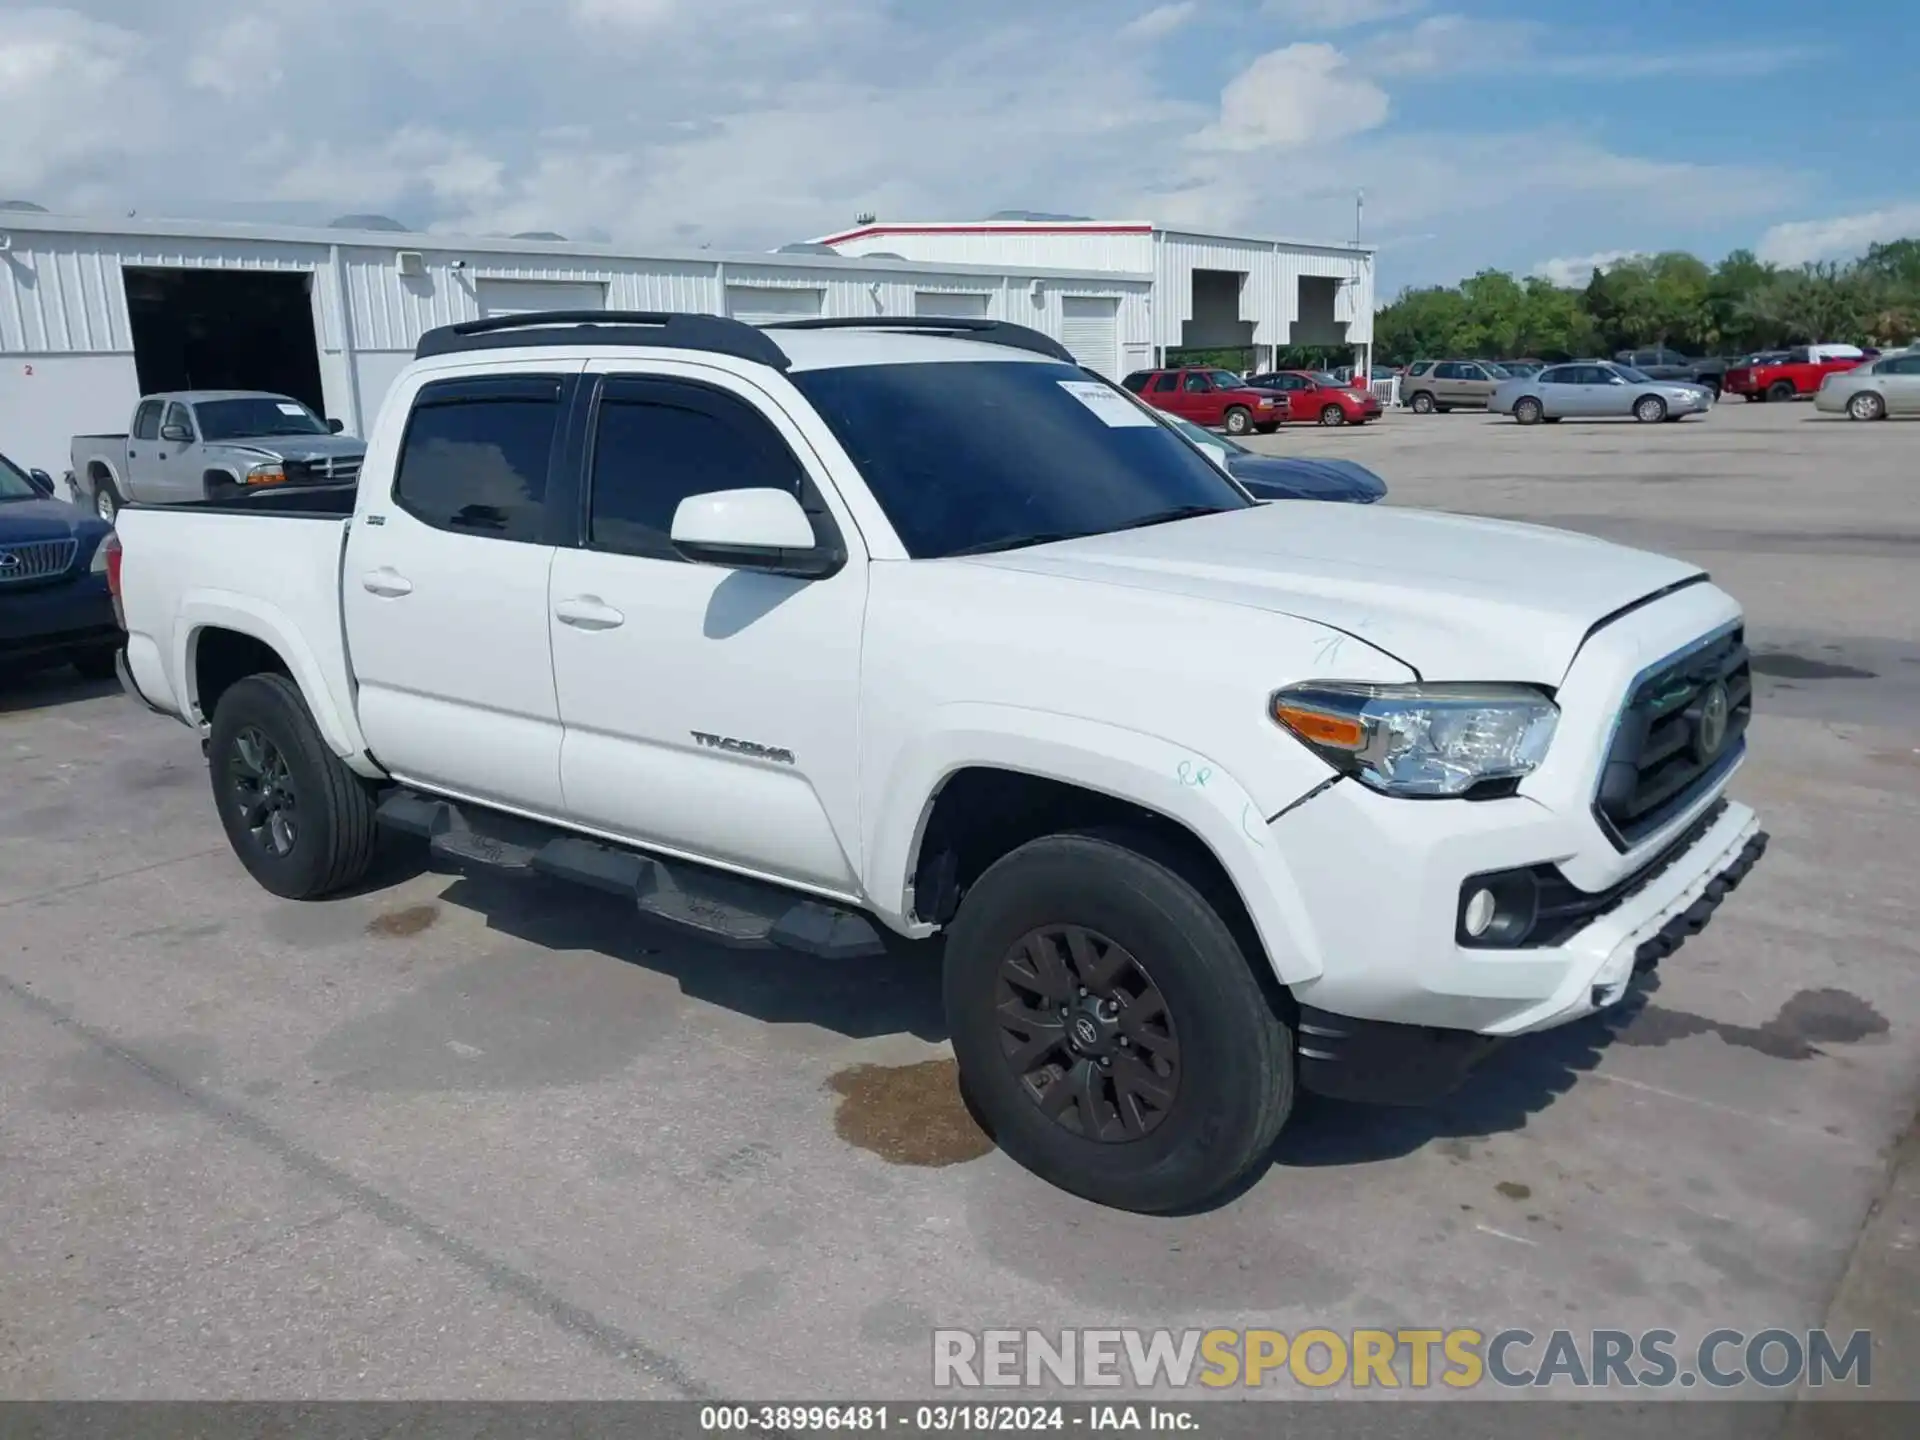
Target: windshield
column 256, row 415
column 967, row 457
column 1200, row 436
column 1633, row 376
column 14, row 484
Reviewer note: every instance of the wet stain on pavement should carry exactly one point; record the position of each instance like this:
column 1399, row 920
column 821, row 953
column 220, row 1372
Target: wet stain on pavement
column 1784, row 665
column 907, row 1114
column 1809, row 1020
column 398, row 924
column 1514, row 1190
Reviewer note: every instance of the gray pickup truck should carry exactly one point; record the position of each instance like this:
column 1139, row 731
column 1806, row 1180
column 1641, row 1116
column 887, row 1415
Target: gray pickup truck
column 213, row 445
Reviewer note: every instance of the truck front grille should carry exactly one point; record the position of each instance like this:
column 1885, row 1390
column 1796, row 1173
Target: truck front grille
column 333, row 470
column 36, row 560
column 1682, row 729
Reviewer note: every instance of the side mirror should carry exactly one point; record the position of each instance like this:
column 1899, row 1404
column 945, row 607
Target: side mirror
column 752, row 530
column 42, row 481
column 176, row 434
column 1218, row 455
column 335, row 427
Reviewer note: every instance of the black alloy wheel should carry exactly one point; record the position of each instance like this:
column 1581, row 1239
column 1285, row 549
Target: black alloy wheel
column 261, row 789
column 1087, row 1034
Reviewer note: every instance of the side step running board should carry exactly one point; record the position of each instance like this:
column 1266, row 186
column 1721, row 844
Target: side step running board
column 721, row 907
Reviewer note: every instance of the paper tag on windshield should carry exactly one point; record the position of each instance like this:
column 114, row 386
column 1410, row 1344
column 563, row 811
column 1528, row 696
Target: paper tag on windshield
column 286, row 409
column 1114, row 410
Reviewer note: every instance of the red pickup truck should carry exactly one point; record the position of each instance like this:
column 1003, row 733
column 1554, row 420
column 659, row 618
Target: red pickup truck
column 1215, row 398
column 1781, row 375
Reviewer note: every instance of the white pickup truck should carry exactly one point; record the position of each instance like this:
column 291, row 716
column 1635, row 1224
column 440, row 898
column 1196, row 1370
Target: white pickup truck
column 832, row 632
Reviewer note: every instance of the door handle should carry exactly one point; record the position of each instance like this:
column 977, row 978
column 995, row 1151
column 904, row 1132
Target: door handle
column 588, row 612
column 386, row 582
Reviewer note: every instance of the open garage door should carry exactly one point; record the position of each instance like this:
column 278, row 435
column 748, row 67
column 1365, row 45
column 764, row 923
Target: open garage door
column 224, row 330
column 529, row 297
column 766, row 304
column 1090, row 328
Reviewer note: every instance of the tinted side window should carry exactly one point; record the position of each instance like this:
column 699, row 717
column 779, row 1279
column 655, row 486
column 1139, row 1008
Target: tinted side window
column 1799, row 357
column 1136, row 382
column 476, row 456
column 1169, row 381
column 146, row 420
column 657, row 443
column 1197, row 384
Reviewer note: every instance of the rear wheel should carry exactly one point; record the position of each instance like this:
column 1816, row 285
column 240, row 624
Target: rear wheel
column 298, row 818
column 1422, row 404
column 1528, row 411
column 1332, row 415
column 1239, row 420
column 106, row 499
column 1780, row 390
column 1109, row 1027
column 1867, row 406
column 1649, row 409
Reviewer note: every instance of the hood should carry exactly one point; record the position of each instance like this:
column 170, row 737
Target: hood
column 1278, row 477
column 297, row 447
column 1451, row 596
column 22, row 521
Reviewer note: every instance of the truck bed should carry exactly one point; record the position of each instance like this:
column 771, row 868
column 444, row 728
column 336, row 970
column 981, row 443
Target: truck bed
column 265, row 569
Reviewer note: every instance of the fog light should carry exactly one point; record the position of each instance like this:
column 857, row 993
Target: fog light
column 1479, row 913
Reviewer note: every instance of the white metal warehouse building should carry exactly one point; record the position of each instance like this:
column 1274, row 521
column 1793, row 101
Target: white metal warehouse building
column 1209, row 291
column 93, row 313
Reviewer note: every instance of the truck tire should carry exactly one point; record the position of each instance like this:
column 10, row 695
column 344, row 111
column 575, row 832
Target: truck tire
column 106, row 499
column 297, row 817
column 1109, row 1026
column 1781, row 390
column 1239, row 420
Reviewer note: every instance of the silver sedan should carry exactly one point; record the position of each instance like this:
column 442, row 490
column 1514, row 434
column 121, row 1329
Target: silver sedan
column 1592, row 389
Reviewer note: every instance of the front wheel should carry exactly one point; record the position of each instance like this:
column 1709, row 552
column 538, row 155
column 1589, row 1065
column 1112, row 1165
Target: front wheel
column 298, row 818
column 1109, row 1027
column 1650, row 410
column 1332, row 415
column 1528, row 411
column 1239, row 421
column 1867, row 406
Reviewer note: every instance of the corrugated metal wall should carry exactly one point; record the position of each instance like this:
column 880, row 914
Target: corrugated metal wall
column 1270, row 296
column 1015, row 248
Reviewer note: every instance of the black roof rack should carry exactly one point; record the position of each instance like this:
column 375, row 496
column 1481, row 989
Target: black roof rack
column 988, row 332
column 715, row 333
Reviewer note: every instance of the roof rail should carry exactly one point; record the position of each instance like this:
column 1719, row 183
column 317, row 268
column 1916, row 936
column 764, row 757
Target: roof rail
column 987, row 332
column 673, row 330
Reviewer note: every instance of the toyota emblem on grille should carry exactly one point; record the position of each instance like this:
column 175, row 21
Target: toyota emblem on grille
column 1711, row 732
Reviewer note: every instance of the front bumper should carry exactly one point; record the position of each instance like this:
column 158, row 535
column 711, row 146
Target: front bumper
column 39, row 621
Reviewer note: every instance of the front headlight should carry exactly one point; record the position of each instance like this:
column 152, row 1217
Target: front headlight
column 268, row 472
column 1421, row 740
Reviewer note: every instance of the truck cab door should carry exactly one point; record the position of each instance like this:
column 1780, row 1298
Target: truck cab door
column 444, row 587
column 141, row 482
column 709, row 711
column 1200, row 403
column 177, row 469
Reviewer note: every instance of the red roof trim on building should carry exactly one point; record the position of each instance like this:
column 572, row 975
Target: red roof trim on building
column 1011, row 227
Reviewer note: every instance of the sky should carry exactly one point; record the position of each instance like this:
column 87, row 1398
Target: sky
column 1539, row 138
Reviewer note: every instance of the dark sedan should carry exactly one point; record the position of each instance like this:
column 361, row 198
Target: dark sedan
column 1286, row 477
column 54, row 603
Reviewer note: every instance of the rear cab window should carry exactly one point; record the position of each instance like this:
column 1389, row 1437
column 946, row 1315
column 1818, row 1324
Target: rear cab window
column 477, row 455
column 973, row 456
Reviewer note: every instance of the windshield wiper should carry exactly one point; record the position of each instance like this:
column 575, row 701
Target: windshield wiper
column 1179, row 512
column 1014, row 542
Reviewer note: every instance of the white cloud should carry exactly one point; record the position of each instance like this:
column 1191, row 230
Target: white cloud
column 1576, row 270
column 1329, row 15
column 1290, row 96
column 1839, row 237
column 1160, row 21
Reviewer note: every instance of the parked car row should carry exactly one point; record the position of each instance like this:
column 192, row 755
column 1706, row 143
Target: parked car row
column 54, row 604
column 1237, row 404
